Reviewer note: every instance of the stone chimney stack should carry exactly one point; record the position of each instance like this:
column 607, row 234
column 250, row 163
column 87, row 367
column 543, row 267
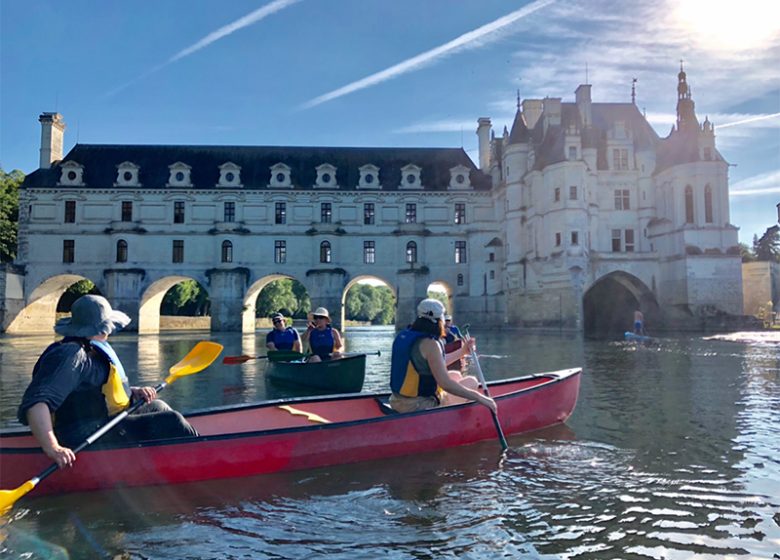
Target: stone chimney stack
column 532, row 110
column 52, row 135
column 483, row 133
column 582, row 96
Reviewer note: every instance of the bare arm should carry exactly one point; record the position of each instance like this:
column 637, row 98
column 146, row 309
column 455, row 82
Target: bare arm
column 431, row 351
column 338, row 342
column 39, row 419
column 297, row 345
column 271, row 346
column 464, row 349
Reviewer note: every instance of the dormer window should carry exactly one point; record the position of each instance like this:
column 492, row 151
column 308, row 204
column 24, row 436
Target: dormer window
column 179, row 175
column 280, row 176
column 459, row 177
column 326, row 177
column 127, row 175
column 369, row 177
column 72, row 174
column 229, row 175
column 410, row 177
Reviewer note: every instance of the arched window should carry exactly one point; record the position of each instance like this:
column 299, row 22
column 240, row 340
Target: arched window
column 708, row 204
column 411, row 252
column 227, row 252
column 688, row 204
column 121, row 251
column 325, row 254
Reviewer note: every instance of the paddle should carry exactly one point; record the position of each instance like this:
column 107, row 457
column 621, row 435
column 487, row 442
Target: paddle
column 234, row 360
column 199, row 358
column 481, row 378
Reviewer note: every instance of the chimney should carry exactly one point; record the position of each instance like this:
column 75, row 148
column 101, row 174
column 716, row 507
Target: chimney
column 52, row 134
column 483, row 133
column 532, row 110
column 582, row 96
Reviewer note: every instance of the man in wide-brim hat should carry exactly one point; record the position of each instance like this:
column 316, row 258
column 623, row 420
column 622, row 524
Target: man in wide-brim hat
column 81, row 383
column 325, row 342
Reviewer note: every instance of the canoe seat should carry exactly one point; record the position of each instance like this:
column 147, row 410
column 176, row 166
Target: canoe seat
column 384, row 405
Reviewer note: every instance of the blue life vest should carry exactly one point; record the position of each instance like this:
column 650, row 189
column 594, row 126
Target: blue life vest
column 321, row 342
column 405, row 380
column 283, row 340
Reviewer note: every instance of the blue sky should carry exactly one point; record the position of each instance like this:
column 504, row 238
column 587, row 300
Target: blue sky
column 385, row 73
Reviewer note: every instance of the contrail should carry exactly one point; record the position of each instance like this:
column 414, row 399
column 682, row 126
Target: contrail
column 472, row 39
column 750, row 120
column 247, row 20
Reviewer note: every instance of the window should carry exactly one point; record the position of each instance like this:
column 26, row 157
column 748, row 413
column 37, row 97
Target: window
column 368, row 213
column 575, row 238
column 178, row 212
column 622, row 200
column 227, row 252
column 325, row 255
column 557, row 238
column 557, row 195
column 572, row 152
column 460, row 279
column 281, row 213
column 460, row 252
column 127, row 210
column 280, row 252
column 411, row 252
column 460, row 212
column 326, row 213
column 708, row 204
column 617, row 239
column 411, row 214
column 369, row 252
column 688, row 204
column 230, row 212
column 492, row 274
column 620, row 159
column 491, row 257
column 70, row 211
column 68, row 250
column 178, row 250
column 629, row 235
column 573, row 192
column 121, row 251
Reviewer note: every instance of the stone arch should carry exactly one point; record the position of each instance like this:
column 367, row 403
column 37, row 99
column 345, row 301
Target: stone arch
column 248, row 319
column 353, row 282
column 450, row 291
column 610, row 302
column 151, row 300
column 40, row 312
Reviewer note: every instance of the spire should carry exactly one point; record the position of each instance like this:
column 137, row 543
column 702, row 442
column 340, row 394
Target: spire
column 518, row 99
column 633, row 91
column 686, row 115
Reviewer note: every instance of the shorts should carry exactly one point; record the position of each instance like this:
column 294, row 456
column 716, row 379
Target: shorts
column 400, row 403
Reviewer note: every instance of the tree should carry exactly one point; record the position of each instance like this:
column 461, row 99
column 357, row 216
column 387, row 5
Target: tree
column 9, row 212
column 277, row 296
column 441, row 296
column 746, row 252
column 74, row 292
column 375, row 304
column 187, row 298
column 767, row 247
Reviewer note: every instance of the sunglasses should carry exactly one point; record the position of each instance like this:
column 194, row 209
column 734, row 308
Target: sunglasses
column 315, row 317
column 277, row 321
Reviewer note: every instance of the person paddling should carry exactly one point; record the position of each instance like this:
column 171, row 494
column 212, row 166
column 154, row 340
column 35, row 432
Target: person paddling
column 281, row 336
column 79, row 383
column 418, row 373
column 325, row 342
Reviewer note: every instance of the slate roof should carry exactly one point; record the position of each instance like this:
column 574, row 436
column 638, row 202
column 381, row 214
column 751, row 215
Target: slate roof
column 100, row 165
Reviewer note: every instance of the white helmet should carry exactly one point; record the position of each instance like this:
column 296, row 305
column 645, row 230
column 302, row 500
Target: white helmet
column 431, row 309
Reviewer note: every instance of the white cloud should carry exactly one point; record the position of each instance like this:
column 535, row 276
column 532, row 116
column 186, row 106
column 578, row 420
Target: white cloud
column 765, row 183
column 479, row 37
column 438, row 126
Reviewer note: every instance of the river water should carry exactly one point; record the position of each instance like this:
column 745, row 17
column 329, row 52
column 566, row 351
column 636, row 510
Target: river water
column 673, row 452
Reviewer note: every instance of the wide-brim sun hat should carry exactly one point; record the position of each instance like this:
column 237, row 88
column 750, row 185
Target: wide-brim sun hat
column 321, row 312
column 91, row 315
column 431, row 309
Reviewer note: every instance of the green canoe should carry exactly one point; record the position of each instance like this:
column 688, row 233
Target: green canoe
column 344, row 375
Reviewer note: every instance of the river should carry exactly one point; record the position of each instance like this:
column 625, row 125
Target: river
column 672, row 452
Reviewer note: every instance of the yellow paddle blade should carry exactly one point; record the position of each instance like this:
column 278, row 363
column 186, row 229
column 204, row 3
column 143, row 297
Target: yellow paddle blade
column 310, row 415
column 8, row 497
column 199, row 358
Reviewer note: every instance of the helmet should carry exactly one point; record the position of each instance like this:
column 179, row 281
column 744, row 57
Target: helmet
column 431, row 309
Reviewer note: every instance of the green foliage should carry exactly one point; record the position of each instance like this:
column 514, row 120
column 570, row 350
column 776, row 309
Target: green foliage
column 746, row 253
column 74, row 292
column 371, row 303
column 187, row 298
column 9, row 212
column 441, row 296
column 767, row 247
column 286, row 296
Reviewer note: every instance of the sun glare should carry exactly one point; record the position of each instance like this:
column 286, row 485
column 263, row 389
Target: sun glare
column 729, row 25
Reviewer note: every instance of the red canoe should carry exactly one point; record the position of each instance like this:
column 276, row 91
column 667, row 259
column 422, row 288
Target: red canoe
column 290, row 434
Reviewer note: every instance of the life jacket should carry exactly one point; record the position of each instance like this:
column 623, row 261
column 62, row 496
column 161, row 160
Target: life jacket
column 116, row 389
column 321, row 342
column 283, row 340
column 405, row 380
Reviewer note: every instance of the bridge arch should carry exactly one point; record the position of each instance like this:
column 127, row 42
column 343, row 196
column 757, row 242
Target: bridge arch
column 248, row 319
column 609, row 305
column 152, row 298
column 356, row 280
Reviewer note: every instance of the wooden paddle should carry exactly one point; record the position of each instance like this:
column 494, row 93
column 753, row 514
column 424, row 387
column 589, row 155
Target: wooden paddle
column 199, row 358
column 481, row 377
column 286, row 356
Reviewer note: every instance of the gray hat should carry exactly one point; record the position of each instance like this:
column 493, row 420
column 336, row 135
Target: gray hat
column 276, row 316
column 90, row 316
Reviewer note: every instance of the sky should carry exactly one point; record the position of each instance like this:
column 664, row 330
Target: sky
column 386, row 73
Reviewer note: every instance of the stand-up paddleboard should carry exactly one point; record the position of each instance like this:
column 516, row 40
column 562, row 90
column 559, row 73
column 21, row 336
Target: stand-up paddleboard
column 633, row 337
